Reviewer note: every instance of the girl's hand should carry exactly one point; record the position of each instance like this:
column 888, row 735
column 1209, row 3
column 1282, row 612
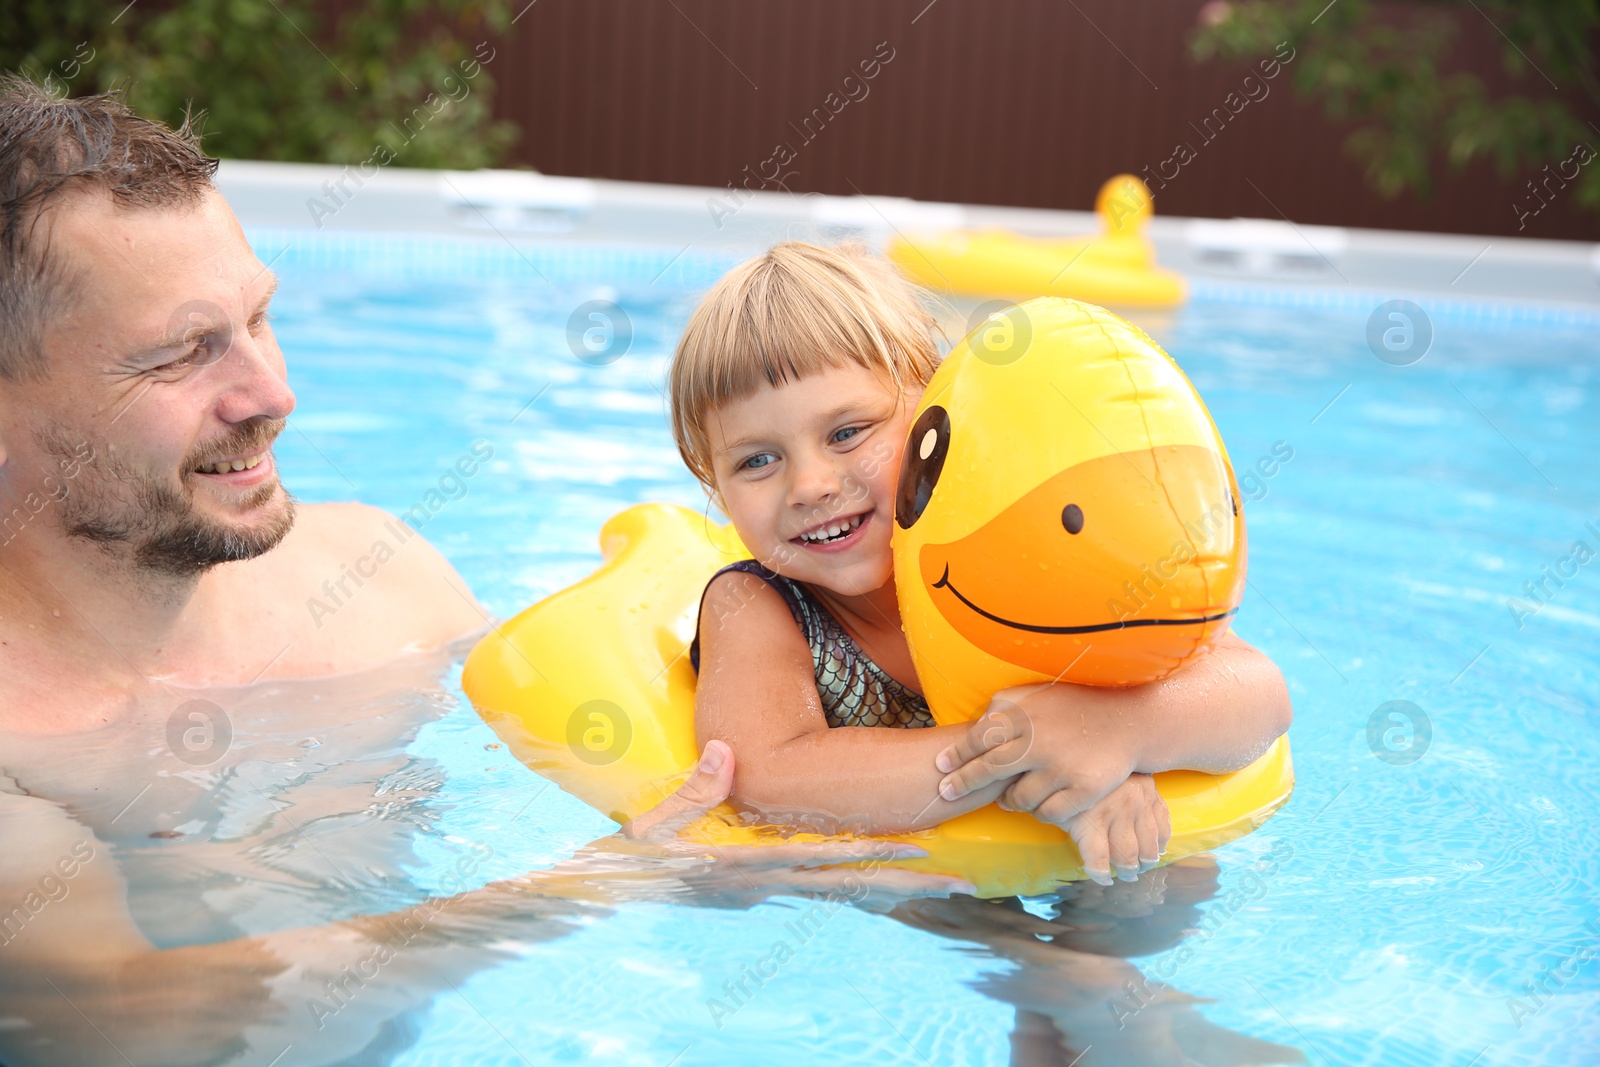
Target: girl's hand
column 1066, row 749
column 741, row 875
column 1127, row 831
column 707, row 787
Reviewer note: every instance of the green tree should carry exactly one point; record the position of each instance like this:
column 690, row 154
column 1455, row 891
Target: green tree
column 289, row 80
column 1388, row 70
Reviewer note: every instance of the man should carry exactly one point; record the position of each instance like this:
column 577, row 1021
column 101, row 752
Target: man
column 157, row 654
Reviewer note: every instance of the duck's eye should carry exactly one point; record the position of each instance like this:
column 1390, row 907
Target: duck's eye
column 1072, row 518
column 1235, row 502
column 926, row 447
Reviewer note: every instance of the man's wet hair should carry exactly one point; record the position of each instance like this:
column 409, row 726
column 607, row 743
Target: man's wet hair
column 51, row 151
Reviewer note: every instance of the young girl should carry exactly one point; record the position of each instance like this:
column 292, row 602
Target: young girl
column 792, row 391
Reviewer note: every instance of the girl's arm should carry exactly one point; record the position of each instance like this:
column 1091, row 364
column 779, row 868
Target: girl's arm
column 1069, row 745
column 758, row 693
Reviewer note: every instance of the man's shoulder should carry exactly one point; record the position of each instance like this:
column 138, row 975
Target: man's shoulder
column 360, row 540
column 371, row 570
column 334, row 531
column 349, row 518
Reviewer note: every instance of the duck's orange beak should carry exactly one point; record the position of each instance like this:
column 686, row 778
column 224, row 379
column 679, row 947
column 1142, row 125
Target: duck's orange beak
column 1111, row 572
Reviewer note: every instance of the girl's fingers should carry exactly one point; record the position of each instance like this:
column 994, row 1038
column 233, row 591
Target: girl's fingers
column 1002, row 723
column 994, row 765
column 707, row 787
column 1061, row 807
column 1090, row 835
column 1149, row 838
column 1123, row 840
column 1096, row 857
column 1034, row 788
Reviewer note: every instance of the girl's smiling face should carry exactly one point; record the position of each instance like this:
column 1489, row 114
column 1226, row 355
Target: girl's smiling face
column 807, row 472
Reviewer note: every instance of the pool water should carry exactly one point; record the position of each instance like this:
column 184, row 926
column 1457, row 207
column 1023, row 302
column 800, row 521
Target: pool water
column 1429, row 894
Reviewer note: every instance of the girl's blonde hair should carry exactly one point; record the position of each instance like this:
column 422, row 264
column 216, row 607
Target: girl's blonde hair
column 797, row 310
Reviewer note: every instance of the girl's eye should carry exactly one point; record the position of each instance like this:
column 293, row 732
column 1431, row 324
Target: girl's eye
column 846, row 433
column 757, row 461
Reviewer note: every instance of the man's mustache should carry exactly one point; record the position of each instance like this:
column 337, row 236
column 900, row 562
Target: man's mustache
column 248, row 439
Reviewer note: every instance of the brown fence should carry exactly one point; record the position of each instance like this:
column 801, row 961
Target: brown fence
column 1016, row 102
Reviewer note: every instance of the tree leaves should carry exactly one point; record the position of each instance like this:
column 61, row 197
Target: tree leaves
column 282, row 79
column 1389, row 71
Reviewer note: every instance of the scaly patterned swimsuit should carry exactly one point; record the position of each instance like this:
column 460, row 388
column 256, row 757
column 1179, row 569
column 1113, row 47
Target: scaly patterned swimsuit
column 855, row 691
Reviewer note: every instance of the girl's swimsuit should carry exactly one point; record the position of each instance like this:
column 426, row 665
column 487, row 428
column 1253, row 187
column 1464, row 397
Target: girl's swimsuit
column 855, row 691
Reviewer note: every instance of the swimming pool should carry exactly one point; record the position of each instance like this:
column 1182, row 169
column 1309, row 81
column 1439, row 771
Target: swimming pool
column 1429, row 894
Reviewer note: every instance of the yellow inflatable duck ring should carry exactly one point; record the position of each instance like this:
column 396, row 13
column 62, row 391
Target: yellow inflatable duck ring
column 592, row 687
column 1116, row 266
column 1066, row 511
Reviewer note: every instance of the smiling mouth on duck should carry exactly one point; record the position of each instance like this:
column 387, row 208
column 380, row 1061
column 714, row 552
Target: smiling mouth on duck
column 1128, row 624
column 835, row 530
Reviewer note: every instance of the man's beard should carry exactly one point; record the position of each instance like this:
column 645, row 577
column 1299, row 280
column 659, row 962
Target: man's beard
column 110, row 503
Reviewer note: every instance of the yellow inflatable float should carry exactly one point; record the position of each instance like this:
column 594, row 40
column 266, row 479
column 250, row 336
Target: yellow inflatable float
column 1055, row 459
column 1116, row 266
column 1066, row 511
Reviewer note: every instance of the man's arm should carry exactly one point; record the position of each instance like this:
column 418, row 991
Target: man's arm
column 70, row 952
column 89, row 988
column 71, row 955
